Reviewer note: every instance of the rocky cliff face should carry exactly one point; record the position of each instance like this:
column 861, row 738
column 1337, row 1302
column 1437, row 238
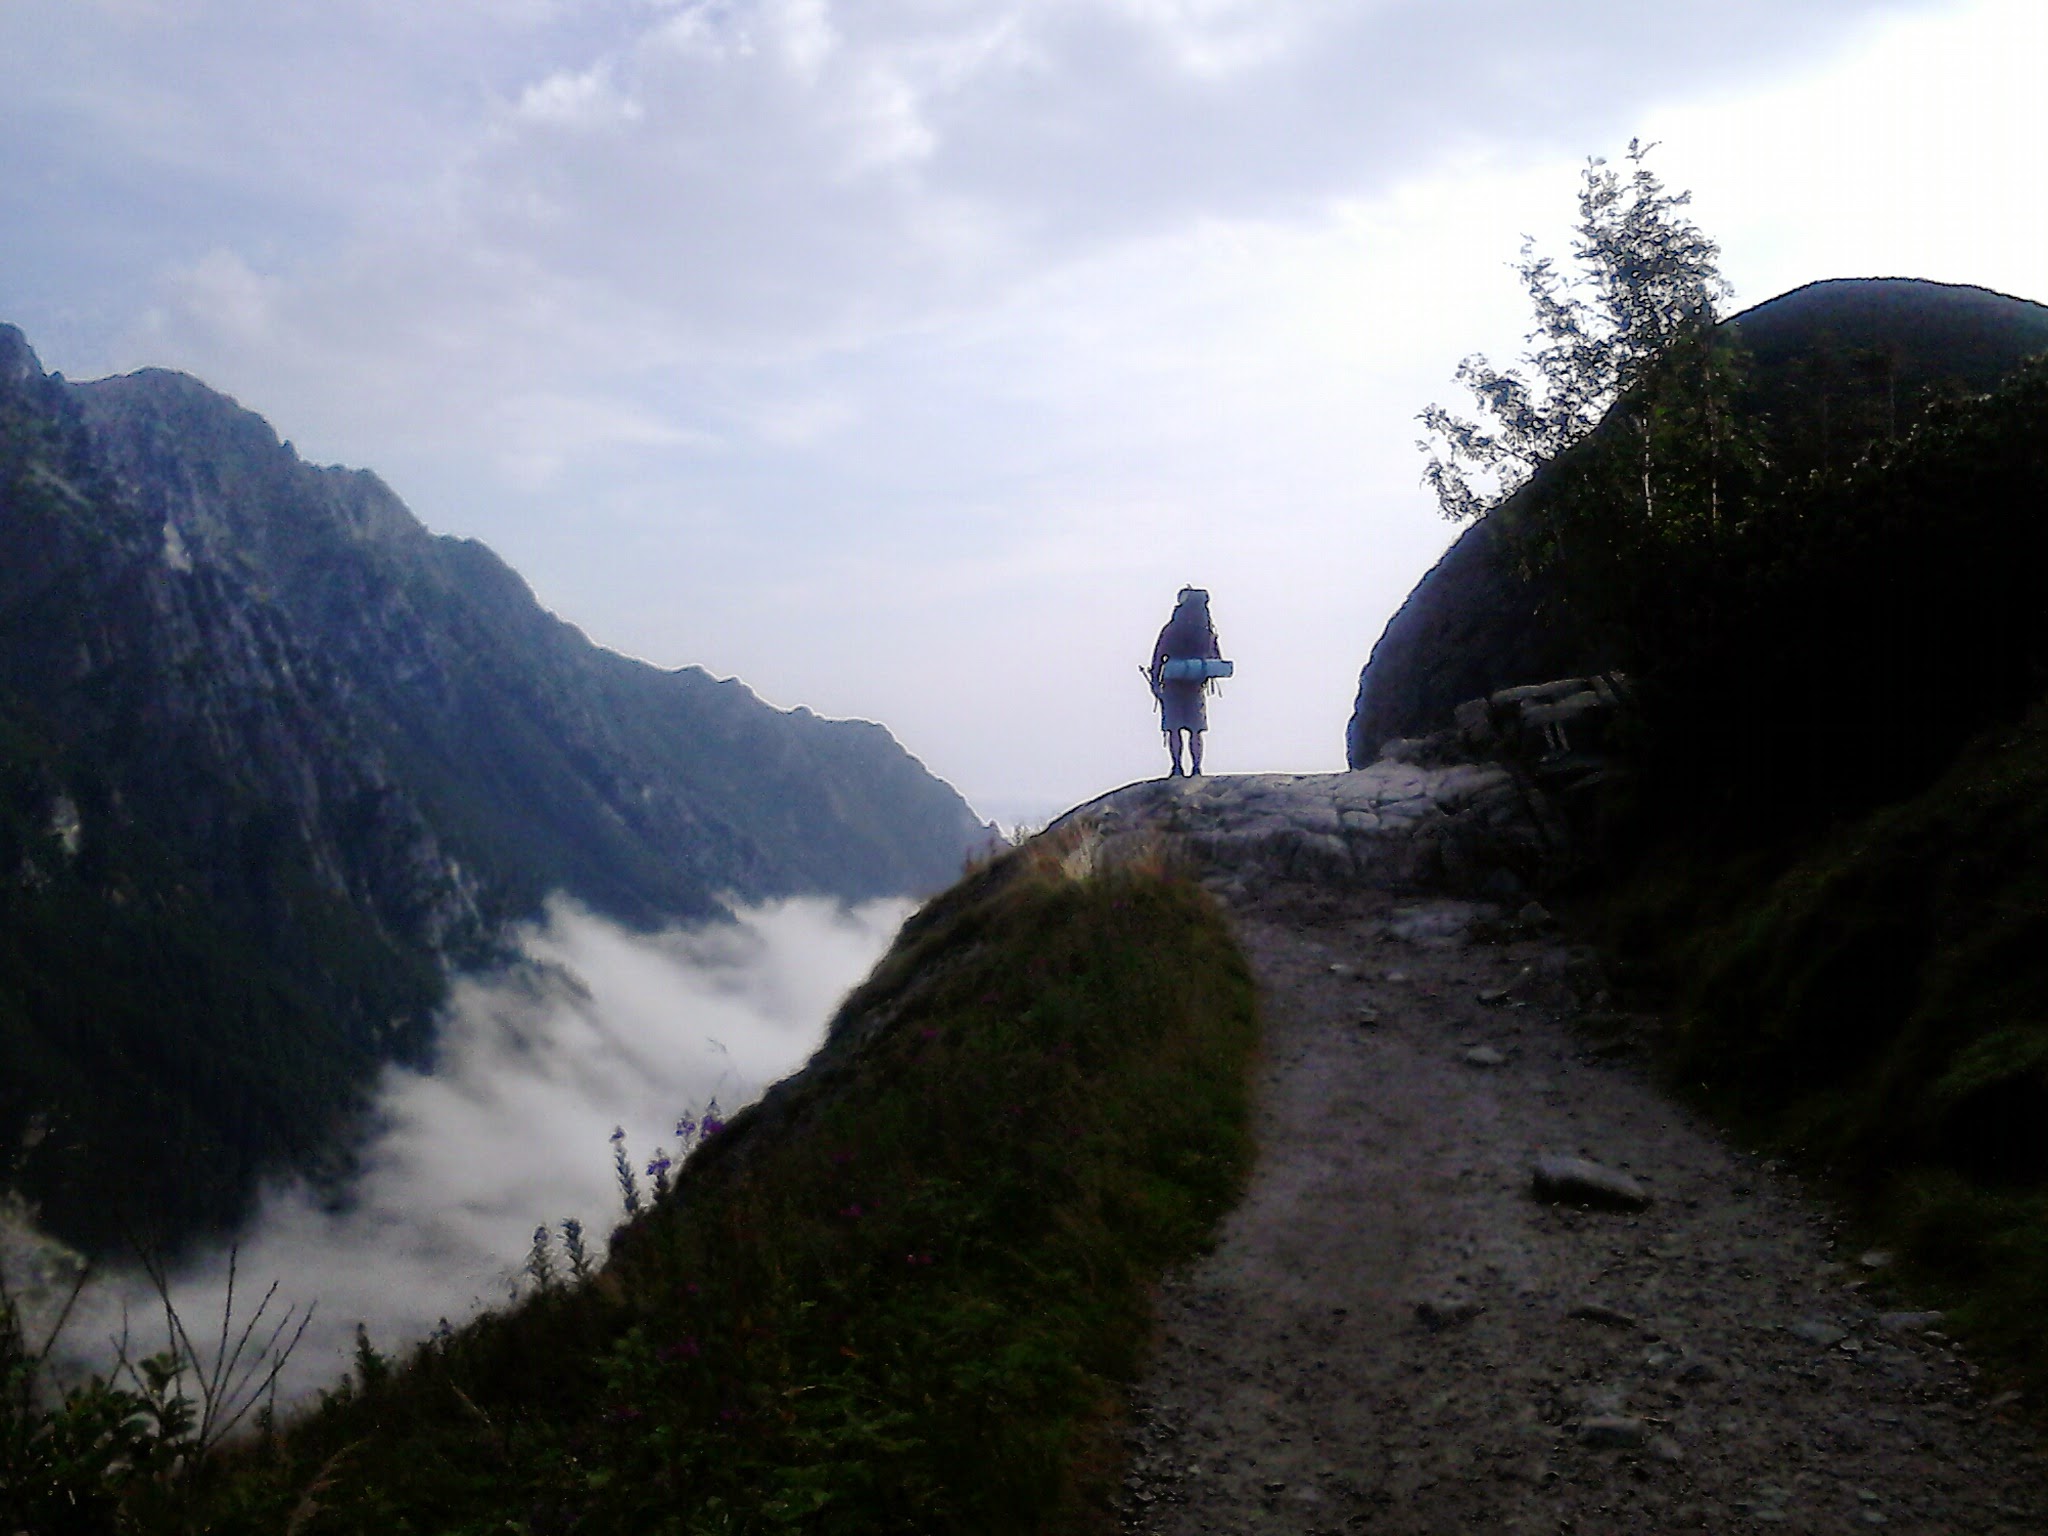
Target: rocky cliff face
column 1474, row 623
column 302, row 755
column 1833, row 366
column 545, row 761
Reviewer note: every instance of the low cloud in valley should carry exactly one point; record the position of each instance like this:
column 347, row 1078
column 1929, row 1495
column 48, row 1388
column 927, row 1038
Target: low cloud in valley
column 596, row 1028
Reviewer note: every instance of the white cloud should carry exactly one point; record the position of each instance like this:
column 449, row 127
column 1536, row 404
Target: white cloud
column 579, row 99
column 1213, row 39
column 599, row 1028
column 224, row 295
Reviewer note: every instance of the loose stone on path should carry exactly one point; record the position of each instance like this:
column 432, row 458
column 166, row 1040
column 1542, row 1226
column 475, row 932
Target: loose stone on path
column 1580, row 1181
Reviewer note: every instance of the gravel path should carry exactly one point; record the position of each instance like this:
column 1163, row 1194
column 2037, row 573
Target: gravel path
column 1394, row 1335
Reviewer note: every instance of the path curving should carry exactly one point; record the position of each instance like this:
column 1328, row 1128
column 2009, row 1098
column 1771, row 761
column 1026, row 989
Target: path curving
column 1395, row 1334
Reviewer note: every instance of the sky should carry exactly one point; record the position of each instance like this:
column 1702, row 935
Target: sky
column 903, row 358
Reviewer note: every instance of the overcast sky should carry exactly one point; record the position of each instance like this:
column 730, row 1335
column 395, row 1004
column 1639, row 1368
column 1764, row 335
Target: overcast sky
column 903, row 357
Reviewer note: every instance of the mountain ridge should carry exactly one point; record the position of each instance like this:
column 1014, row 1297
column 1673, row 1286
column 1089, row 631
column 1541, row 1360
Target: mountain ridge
column 325, row 755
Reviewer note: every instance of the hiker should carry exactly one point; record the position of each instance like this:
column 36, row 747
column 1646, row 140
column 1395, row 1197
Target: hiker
column 1190, row 639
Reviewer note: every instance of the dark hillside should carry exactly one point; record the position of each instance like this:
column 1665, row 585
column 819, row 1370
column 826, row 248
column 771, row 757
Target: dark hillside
column 1824, row 561
column 1881, row 1009
column 1833, row 369
column 1835, row 859
column 1475, row 623
column 1842, row 362
column 1835, row 650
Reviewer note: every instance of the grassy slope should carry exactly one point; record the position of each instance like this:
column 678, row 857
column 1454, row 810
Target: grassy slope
column 1878, row 1007
column 899, row 1296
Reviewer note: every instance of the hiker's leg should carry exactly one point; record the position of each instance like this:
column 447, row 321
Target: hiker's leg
column 1195, row 750
column 1173, row 746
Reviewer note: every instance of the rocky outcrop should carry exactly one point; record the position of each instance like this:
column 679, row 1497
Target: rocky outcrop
column 1501, row 802
column 1461, row 828
column 1474, row 624
column 1554, row 730
column 1833, row 366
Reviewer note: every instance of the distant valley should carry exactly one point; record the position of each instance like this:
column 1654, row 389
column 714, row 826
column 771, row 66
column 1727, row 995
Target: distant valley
column 275, row 760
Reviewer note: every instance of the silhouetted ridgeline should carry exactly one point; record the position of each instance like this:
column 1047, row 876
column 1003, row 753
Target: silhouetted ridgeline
column 272, row 757
column 1833, row 369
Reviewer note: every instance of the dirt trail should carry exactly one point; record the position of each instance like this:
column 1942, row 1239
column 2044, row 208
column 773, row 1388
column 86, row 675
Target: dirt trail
column 1385, row 1338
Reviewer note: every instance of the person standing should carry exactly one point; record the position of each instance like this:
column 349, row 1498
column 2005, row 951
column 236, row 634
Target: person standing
column 1189, row 634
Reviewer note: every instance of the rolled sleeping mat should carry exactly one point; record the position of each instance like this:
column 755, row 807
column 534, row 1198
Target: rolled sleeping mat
column 1194, row 669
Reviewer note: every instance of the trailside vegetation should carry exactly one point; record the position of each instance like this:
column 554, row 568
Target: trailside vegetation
column 902, row 1293
column 1831, row 593
column 1880, row 1009
column 1843, row 755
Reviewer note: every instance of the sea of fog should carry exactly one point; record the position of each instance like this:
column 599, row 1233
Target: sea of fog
column 596, row 1029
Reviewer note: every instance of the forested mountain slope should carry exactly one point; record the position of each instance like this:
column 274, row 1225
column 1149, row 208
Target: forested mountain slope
column 272, row 757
